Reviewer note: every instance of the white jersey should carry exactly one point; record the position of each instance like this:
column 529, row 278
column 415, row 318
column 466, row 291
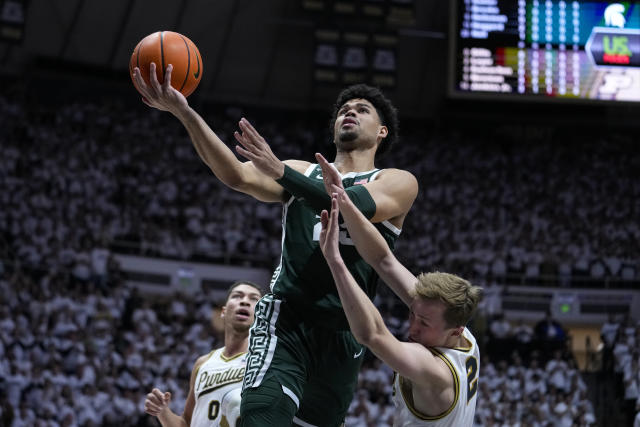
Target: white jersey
column 464, row 364
column 216, row 379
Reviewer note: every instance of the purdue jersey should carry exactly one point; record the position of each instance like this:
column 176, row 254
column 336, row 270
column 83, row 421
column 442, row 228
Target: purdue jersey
column 464, row 363
column 303, row 277
column 215, row 378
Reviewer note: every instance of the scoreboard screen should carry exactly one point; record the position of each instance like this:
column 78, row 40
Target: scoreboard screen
column 586, row 50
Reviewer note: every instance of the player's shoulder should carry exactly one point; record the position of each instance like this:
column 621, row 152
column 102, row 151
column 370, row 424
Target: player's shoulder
column 401, row 177
column 297, row 165
column 203, row 358
column 398, row 173
column 430, row 367
column 199, row 362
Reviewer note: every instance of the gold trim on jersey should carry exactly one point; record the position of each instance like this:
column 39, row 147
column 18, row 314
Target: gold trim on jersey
column 407, row 396
column 222, row 356
column 229, row 359
column 207, row 381
column 209, row 355
column 465, row 349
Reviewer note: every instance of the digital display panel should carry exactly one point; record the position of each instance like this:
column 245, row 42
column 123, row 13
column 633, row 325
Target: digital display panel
column 545, row 49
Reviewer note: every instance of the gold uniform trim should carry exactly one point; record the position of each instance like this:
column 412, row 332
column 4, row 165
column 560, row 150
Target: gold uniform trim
column 222, row 356
column 405, row 389
column 209, row 355
column 467, row 348
column 229, row 359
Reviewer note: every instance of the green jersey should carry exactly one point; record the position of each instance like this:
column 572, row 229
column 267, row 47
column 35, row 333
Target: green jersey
column 303, row 276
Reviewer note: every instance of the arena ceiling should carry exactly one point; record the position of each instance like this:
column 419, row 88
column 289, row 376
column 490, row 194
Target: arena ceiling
column 254, row 51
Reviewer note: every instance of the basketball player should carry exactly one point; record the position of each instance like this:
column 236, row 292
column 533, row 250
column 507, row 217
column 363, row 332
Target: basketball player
column 303, row 360
column 437, row 370
column 218, row 375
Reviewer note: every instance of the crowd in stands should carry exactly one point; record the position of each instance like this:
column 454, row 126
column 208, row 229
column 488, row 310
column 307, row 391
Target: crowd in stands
column 530, row 377
column 551, row 393
column 80, row 175
column 73, row 353
column 505, row 338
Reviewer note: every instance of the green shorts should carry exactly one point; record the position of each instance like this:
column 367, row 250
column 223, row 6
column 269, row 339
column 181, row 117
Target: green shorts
column 296, row 360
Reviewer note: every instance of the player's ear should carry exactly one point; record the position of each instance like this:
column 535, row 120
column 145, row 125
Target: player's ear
column 224, row 309
column 383, row 132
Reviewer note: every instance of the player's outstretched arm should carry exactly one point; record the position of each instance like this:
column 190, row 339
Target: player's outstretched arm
column 212, row 150
column 411, row 360
column 374, row 249
column 288, row 174
column 368, row 241
column 363, row 317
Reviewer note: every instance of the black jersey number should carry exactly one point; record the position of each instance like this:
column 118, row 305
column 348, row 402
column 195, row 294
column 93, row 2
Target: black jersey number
column 214, row 409
column 472, row 377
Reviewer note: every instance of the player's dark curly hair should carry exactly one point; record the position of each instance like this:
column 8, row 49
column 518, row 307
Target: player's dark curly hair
column 387, row 112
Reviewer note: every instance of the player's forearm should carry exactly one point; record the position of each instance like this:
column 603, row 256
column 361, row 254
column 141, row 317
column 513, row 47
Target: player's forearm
column 310, row 192
column 211, row 149
column 364, row 319
column 376, row 252
column 369, row 242
column 169, row 419
column 313, row 194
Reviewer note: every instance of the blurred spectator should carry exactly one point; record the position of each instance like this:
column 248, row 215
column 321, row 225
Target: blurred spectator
column 550, row 334
column 608, row 334
column 500, row 339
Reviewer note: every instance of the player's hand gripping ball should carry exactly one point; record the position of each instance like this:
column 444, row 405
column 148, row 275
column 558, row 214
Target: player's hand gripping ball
column 164, row 48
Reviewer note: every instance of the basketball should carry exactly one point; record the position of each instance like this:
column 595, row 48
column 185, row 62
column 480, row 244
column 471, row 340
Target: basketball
column 164, row 48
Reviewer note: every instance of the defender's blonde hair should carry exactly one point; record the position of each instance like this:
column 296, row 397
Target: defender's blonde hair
column 460, row 296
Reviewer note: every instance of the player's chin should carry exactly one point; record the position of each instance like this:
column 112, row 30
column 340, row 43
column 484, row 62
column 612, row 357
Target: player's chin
column 242, row 326
column 346, row 135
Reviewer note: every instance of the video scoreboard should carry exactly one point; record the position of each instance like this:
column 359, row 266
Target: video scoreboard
column 545, row 49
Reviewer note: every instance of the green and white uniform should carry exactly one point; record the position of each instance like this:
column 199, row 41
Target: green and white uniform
column 303, row 277
column 300, row 343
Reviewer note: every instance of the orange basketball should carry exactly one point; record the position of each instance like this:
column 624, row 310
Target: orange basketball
column 164, row 48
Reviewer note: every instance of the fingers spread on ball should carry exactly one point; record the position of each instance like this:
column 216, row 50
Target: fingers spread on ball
column 167, row 77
